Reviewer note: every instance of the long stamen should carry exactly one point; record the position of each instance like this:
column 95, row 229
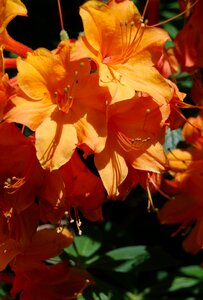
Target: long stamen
column 175, row 17
column 78, row 221
column 157, row 187
column 13, row 184
column 145, row 9
column 63, row 33
column 134, row 43
column 186, row 120
column 60, row 14
column 65, row 99
column 150, row 206
column 129, row 144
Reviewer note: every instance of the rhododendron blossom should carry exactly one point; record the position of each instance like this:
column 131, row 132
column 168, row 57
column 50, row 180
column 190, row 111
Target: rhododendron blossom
column 124, row 48
column 87, row 121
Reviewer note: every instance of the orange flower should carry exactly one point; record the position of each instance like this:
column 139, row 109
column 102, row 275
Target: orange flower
column 72, row 186
column 135, row 130
column 186, row 206
column 124, row 49
column 6, row 91
column 56, row 95
column 9, row 9
column 193, row 131
column 53, row 282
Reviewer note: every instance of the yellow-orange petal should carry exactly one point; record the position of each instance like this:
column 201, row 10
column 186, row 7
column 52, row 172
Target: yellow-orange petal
column 153, row 159
column 29, row 113
column 130, row 78
column 9, row 9
column 56, row 141
column 112, row 169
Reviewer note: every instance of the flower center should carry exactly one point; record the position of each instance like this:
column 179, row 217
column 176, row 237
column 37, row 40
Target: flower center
column 131, row 35
column 64, row 98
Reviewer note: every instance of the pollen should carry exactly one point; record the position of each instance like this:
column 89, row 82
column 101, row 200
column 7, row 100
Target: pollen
column 13, row 184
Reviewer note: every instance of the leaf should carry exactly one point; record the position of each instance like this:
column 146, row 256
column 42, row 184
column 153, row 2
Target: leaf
column 171, row 29
column 123, row 260
column 182, row 283
column 84, row 246
column 193, row 271
column 126, row 253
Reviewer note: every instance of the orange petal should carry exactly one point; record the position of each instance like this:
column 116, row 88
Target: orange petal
column 56, row 141
column 112, row 169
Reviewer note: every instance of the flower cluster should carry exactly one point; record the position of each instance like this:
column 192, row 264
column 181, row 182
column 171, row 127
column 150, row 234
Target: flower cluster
column 104, row 97
column 185, row 165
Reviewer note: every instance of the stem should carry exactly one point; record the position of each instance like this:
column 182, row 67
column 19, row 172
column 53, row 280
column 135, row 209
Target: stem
column 14, row 46
column 10, row 63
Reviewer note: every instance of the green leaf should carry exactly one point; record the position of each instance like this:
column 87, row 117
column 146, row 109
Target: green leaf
column 84, row 246
column 171, row 29
column 126, row 253
column 193, row 271
column 182, row 283
column 123, row 260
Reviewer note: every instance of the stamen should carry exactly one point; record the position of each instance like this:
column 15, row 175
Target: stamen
column 185, row 119
column 60, row 14
column 64, row 100
column 129, row 144
column 145, row 9
column 78, row 221
column 157, row 187
column 175, row 17
column 13, row 184
column 148, row 110
column 8, row 215
column 150, row 206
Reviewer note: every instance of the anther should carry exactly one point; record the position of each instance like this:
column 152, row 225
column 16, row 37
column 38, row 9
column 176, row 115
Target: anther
column 13, row 184
column 82, row 64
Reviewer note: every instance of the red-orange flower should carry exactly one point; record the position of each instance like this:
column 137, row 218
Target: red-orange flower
column 20, row 171
column 55, row 282
column 189, row 41
column 186, row 206
column 16, row 232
